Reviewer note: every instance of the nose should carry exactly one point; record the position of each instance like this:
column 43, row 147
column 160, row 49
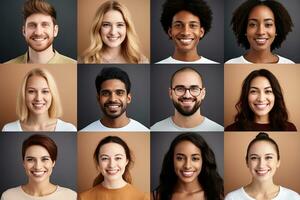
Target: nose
column 187, row 164
column 113, row 96
column 261, row 163
column 185, row 29
column 261, row 96
column 187, row 93
column 38, row 96
column 260, row 29
column 111, row 163
column 38, row 30
column 37, row 164
column 113, row 29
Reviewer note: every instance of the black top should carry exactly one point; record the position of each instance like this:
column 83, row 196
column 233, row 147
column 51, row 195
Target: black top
column 259, row 127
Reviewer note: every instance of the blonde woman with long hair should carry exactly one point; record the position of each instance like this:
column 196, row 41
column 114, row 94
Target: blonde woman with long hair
column 113, row 38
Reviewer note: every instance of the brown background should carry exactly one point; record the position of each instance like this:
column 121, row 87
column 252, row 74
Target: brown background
column 11, row 76
column 139, row 144
column 139, row 10
column 287, row 75
column 236, row 172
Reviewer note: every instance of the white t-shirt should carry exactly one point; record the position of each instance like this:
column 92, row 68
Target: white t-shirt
column 242, row 60
column 131, row 126
column 168, row 125
column 17, row 193
column 60, row 126
column 284, row 194
column 171, row 60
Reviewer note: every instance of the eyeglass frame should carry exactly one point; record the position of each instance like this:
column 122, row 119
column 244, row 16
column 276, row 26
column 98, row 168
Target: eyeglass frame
column 189, row 89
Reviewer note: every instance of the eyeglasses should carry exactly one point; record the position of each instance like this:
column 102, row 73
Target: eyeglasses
column 181, row 90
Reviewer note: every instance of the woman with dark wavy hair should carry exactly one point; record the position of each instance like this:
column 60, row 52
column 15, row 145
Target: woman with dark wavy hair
column 261, row 106
column 189, row 171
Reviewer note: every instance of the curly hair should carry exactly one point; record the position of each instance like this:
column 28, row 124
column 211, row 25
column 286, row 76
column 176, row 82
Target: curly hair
column 239, row 21
column 198, row 8
column 278, row 116
column 130, row 46
column 209, row 177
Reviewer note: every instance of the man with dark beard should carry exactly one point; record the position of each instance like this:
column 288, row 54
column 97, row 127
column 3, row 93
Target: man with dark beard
column 113, row 95
column 39, row 30
column 187, row 92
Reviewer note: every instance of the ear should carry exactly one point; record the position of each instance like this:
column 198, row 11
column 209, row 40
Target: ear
column 203, row 93
column 98, row 98
column 53, row 163
column 23, row 30
column 202, row 32
column 128, row 98
column 170, row 93
column 170, row 33
column 55, row 31
column 278, row 164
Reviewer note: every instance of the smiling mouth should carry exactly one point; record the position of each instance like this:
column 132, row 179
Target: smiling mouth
column 38, row 105
column 261, row 106
column 113, row 39
column 262, row 172
column 38, row 173
column 261, row 41
column 112, row 172
column 187, row 174
column 186, row 41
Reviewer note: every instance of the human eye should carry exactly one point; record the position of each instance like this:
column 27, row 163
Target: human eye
column 45, row 91
column 269, row 157
column 268, row 91
column 29, row 159
column 31, row 25
column 105, row 93
column 177, row 25
column 106, row 25
column 252, row 24
column 45, row 159
column 194, row 25
column 180, row 89
column 195, row 158
column 45, row 24
column 269, row 24
column 118, row 158
column 104, row 158
column 179, row 158
column 120, row 92
column 253, row 158
column 30, row 91
column 252, row 91
column 120, row 24
column 194, row 88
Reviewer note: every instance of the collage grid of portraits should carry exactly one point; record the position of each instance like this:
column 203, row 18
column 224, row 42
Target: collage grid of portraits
column 152, row 94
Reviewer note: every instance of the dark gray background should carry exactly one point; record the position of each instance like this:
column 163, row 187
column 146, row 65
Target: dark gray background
column 160, row 143
column 213, row 103
column 12, row 170
column 211, row 46
column 88, row 109
column 290, row 48
column 13, row 44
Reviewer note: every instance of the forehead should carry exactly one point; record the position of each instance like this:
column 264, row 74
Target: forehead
column 187, row 78
column 261, row 11
column 185, row 16
column 113, row 15
column 37, row 80
column 113, row 84
column 36, row 151
column 187, row 148
column 260, row 81
column 112, row 149
column 38, row 18
column 262, row 147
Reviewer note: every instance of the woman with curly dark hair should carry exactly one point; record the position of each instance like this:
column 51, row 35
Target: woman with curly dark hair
column 189, row 171
column 260, row 27
column 261, row 106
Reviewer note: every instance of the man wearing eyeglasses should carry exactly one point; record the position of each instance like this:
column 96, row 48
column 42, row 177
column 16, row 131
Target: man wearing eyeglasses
column 187, row 93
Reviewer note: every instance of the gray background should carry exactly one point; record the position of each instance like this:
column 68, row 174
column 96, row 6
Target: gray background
column 213, row 103
column 13, row 44
column 160, row 143
column 12, row 170
column 211, row 46
column 88, row 109
column 290, row 48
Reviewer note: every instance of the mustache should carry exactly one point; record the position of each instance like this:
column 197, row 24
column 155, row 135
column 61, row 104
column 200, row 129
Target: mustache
column 187, row 98
column 110, row 103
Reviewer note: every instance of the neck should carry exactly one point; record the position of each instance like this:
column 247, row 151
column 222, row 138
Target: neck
column 41, row 119
column 112, row 55
column 188, row 121
column 39, row 189
column 258, row 188
column 42, row 57
column 118, row 122
column 262, row 119
column 191, row 187
column 115, row 184
column 264, row 56
column 188, row 56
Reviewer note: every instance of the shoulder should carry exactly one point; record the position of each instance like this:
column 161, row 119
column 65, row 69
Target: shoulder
column 290, row 127
column 204, row 60
column 286, row 193
column 94, row 126
column 136, row 193
column 91, row 193
column 168, row 60
column 162, row 125
column 18, row 60
column 143, row 60
column 67, row 193
column 237, row 60
column 12, row 193
column 59, row 58
column 235, row 195
column 212, row 125
column 12, row 126
column 136, row 126
column 232, row 127
column 283, row 60
column 64, row 126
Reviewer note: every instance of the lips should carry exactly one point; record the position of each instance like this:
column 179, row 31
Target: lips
column 261, row 41
column 38, row 173
column 112, row 172
column 187, row 174
column 261, row 106
column 113, row 38
column 262, row 172
column 38, row 105
column 186, row 41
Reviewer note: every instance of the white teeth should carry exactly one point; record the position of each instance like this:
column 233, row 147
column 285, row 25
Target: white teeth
column 112, row 172
column 38, row 173
column 113, row 107
column 262, row 172
column 186, row 41
column 187, row 174
column 113, row 38
column 261, row 40
column 261, row 106
column 38, row 105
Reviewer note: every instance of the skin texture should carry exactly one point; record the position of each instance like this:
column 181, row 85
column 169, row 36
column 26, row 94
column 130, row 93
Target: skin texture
column 261, row 99
column 261, row 32
column 112, row 163
column 39, row 32
column 186, row 32
column 113, row 100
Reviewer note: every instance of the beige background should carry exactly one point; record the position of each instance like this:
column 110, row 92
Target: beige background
column 287, row 75
column 11, row 76
column 139, row 144
column 236, row 172
column 139, row 10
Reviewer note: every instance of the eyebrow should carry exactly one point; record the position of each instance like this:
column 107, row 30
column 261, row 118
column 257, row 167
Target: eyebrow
column 37, row 157
column 258, row 88
column 181, row 154
column 185, row 86
column 253, row 19
column 119, row 154
column 267, row 154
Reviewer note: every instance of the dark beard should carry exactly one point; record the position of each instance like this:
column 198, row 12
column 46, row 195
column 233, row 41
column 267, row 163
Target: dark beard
column 185, row 112
column 113, row 115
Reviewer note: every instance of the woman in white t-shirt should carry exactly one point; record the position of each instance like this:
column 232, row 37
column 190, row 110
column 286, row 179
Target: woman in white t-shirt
column 260, row 27
column 39, row 154
column 38, row 105
column 262, row 159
